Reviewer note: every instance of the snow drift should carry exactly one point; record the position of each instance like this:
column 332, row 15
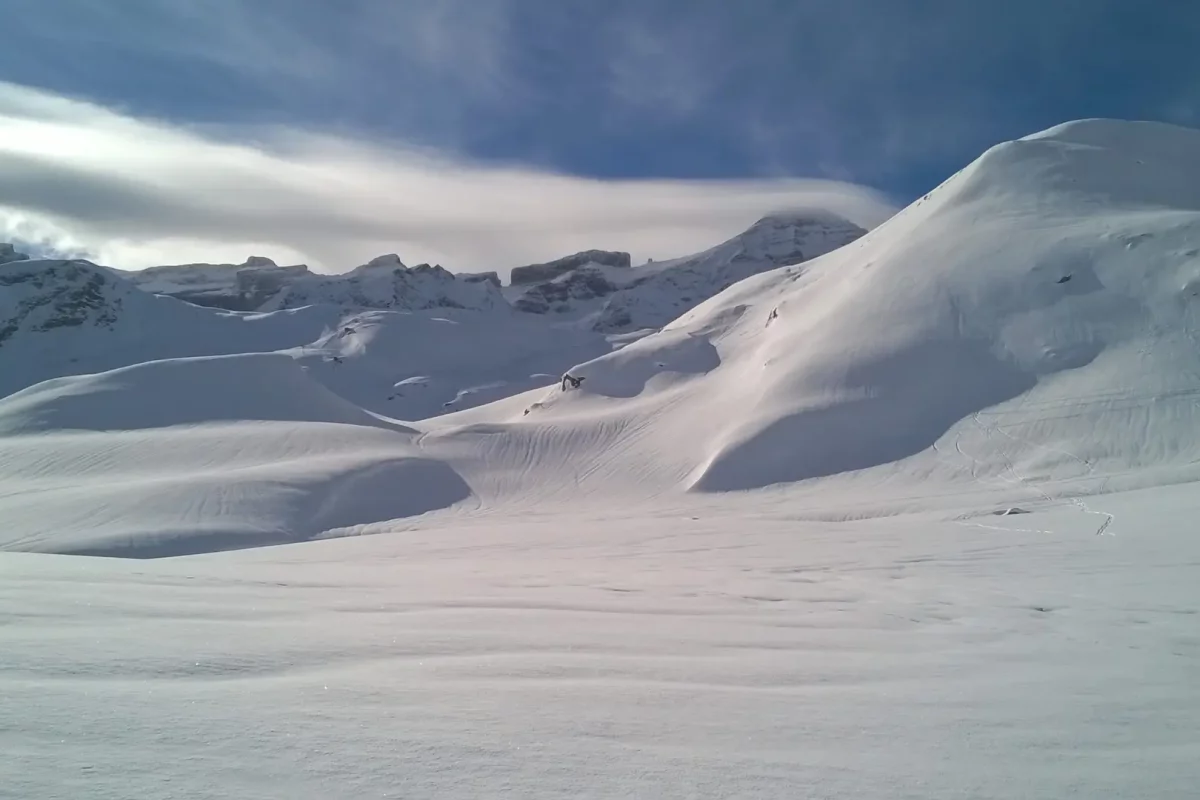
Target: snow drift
column 194, row 455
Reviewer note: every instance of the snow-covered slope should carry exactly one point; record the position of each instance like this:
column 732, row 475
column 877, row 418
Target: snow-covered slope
column 418, row 364
column 1035, row 317
column 194, row 455
column 70, row 317
column 650, row 296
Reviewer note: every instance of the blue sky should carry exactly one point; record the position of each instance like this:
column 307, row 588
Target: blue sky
column 891, row 94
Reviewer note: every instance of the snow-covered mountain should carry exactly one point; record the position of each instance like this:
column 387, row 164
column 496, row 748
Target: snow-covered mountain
column 610, row 296
column 1035, row 316
column 62, row 317
column 596, row 288
column 386, row 283
column 594, row 293
column 261, row 285
column 236, row 287
column 72, row 317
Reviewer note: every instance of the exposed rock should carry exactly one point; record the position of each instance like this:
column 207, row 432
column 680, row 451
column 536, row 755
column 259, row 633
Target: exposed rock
column 9, row 254
column 256, row 284
column 388, row 261
column 57, row 294
column 481, row 277
column 535, row 273
column 584, row 283
column 675, row 287
column 385, row 283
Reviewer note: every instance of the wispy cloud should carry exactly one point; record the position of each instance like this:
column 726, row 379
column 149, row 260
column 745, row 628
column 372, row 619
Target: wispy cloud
column 137, row 192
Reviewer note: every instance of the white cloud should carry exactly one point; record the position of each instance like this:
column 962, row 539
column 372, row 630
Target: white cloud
column 138, row 192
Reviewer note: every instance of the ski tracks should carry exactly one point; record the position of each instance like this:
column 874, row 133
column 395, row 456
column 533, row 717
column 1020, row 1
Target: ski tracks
column 1018, row 479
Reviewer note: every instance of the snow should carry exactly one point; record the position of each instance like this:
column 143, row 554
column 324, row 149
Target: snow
column 71, row 317
column 913, row 518
column 460, row 358
column 193, row 455
column 610, row 298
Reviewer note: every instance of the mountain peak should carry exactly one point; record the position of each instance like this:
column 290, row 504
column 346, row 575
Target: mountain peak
column 387, row 261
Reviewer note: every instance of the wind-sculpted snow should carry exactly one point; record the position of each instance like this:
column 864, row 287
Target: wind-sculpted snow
column 190, row 391
column 196, row 455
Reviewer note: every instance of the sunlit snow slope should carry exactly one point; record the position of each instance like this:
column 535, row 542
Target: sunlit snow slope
column 1034, row 317
column 191, row 455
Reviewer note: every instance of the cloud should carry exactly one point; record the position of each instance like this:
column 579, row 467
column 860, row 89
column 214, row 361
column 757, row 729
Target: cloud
column 136, row 192
column 891, row 94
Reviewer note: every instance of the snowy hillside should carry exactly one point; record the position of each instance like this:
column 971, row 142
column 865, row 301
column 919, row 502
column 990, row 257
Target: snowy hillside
column 183, row 456
column 69, row 317
column 1035, row 317
column 614, row 299
column 413, row 365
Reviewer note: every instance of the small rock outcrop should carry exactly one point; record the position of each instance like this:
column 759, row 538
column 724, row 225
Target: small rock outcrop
column 536, row 273
column 584, row 283
column 9, row 254
column 481, row 277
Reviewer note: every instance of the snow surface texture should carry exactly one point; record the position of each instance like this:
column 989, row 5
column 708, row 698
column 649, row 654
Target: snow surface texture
column 914, row 519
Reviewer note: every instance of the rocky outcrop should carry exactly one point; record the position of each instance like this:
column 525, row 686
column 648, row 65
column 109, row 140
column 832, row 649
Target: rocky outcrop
column 652, row 295
column 582, row 284
column 481, row 277
column 41, row 296
column 9, row 254
column 537, row 273
column 258, row 283
column 386, row 283
column 672, row 288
